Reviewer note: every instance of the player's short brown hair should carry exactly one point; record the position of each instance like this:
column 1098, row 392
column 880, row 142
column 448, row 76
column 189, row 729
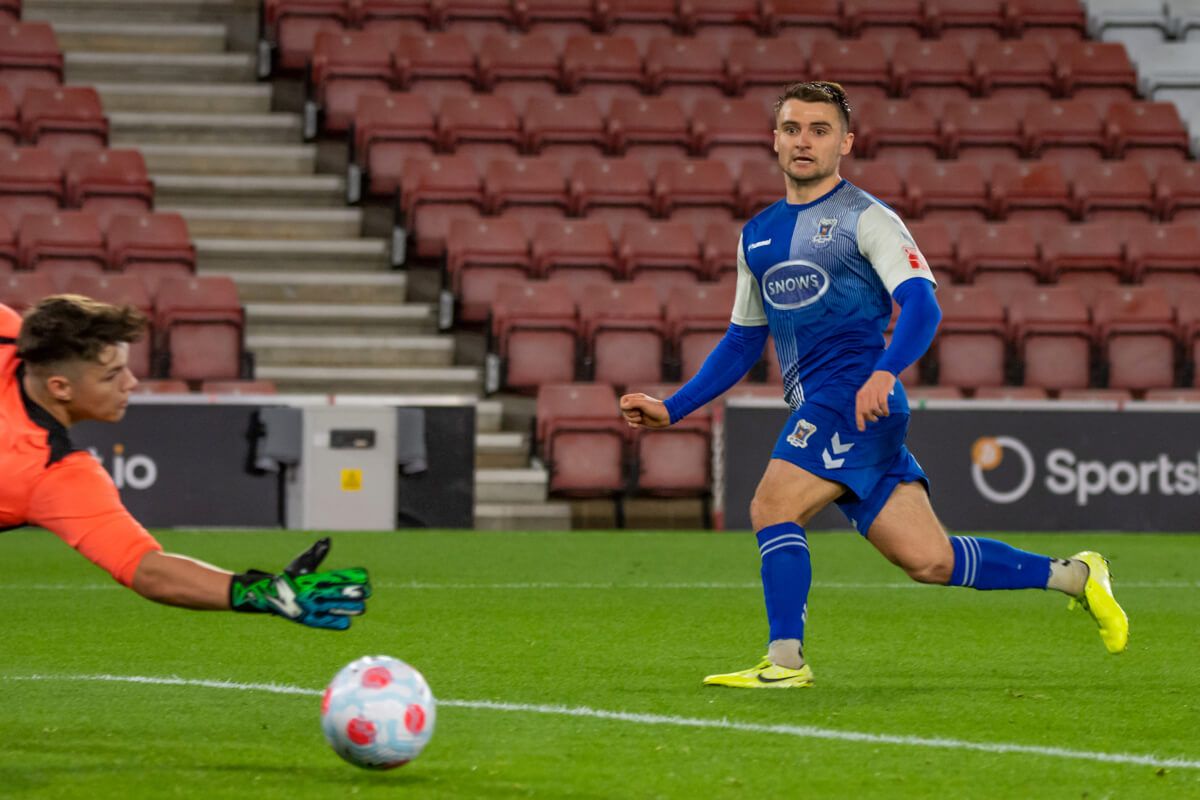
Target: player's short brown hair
column 817, row 92
column 71, row 327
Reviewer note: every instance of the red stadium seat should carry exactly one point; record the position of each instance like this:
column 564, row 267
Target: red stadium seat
column 534, row 334
column 29, row 57
column 1086, row 247
column 120, row 290
column 952, row 192
column 61, row 244
column 10, row 131
column 1097, row 72
column 804, row 20
column 674, row 461
column 291, row 27
column 152, row 247
column 22, row 290
column 388, row 128
column 967, row 21
column 474, row 19
column 1065, row 131
column 623, row 333
column 613, row 190
column 556, row 19
column 719, row 249
column 8, row 247
column 933, row 73
column 582, row 440
column 760, row 183
column 1162, row 249
column 697, row 317
column 1024, row 191
column 726, row 22
column 861, row 66
column 1052, row 332
column 392, row 19
column 521, row 67
column 971, row 342
column 108, row 182
column 480, row 126
column 757, row 68
column 1017, row 71
column 603, row 66
column 436, row 64
column 735, row 131
column 685, row 69
column 564, row 127
column 889, row 21
column 878, row 178
column 934, row 240
column 31, row 182
column 345, row 65
column 480, row 255
column 900, row 131
column 200, row 322
column 1177, row 190
column 64, row 119
column 1136, row 330
column 648, row 128
column 982, row 131
column 576, row 252
column 660, row 253
column 698, row 192
column 985, row 249
column 1051, row 21
column 1115, row 192
column 433, row 192
column 529, row 189
column 250, row 387
column 639, row 20
column 1151, row 133
column 10, row 10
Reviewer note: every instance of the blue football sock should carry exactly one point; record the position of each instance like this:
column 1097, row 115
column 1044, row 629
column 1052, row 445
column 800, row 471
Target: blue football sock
column 989, row 564
column 786, row 578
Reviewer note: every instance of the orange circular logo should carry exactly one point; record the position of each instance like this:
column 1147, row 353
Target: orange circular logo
column 986, row 453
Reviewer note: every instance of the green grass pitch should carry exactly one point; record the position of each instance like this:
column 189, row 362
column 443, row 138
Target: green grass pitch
column 593, row 645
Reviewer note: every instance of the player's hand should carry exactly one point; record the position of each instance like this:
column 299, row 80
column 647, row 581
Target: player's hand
column 301, row 594
column 643, row 411
column 871, row 402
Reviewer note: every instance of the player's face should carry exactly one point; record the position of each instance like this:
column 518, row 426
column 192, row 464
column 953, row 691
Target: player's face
column 810, row 141
column 100, row 389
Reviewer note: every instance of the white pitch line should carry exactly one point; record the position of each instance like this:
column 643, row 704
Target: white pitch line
column 799, row 731
column 61, row 587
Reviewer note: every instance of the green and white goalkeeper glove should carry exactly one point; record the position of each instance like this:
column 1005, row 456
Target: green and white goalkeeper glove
column 301, row 594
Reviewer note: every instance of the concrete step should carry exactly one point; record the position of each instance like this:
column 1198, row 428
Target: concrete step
column 210, row 159
column 371, row 288
column 126, row 37
column 522, row 516
column 93, row 67
column 489, row 415
column 273, row 191
column 206, row 128
column 332, row 256
column 279, row 350
column 271, row 223
column 339, row 320
column 140, row 11
column 527, row 485
column 373, row 380
column 501, row 450
column 195, row 98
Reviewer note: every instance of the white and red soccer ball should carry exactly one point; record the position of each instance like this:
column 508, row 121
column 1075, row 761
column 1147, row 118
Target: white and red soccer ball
column 378, row 713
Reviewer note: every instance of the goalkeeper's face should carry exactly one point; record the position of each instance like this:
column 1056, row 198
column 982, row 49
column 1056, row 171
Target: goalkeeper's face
column 97, row 389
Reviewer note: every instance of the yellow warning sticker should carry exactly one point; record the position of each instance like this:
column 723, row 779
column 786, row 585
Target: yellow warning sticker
column 352, row 480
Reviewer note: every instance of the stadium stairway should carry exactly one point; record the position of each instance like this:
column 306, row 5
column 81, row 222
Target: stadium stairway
column 325, row 312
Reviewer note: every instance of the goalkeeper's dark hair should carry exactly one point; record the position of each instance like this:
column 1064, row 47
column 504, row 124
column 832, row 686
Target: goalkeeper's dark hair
column 71, row 327
column 817, row 92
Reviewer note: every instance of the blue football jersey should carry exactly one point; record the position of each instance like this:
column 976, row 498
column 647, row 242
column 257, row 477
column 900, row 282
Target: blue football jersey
column 820, row 275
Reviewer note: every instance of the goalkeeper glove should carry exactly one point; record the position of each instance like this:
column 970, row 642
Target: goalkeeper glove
column 301, row 594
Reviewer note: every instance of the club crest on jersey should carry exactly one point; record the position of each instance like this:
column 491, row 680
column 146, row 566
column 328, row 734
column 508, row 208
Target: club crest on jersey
column 794, row 284
column 824, row 232
column 799, row 437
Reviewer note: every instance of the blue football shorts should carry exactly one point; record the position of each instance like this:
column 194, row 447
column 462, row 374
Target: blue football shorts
column 870, row 464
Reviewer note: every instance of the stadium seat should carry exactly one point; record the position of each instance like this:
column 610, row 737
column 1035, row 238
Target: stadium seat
column 971, row 343
column 392, row 19
column 433, row 192
column 674, row 461
column 881, row 179
column 1096, row 72
column 1177, row 190
column 151, row 246
column 726, row 22
column 613, row 190
column 934, row 240
column 888, row 21
column 760, row 184
column 249, row 387
column 1114, row 192
column 1051, row 328
column 387, row 129
column 1020, row 72
column 900, row 131
column 556, row 19
column 719, row 250
column 10, row 10
column 64, row 119
column 29, row 57
column 1030, row 191
column 521, row 67
column 639, row 20
column 533, row 335
column 436, row 64
column 31, row 182
column 756, row 68
column 290, row 27
column 1150, row 133
column 933, row 73
column 529, row 189
column 603, row 66
column 649, row 129
column 969, row 22
column 10, row 129
column 998, row 252
column 950, row 192
column 1086, row 247
column 733, row 130
column 1152, row 250
column 564, row 127
column 482, row 127
column 481, row 254
column 8, row 247
column 22, row 290
column 806, row 21
column 344, row 66
column 1068, row 132
column 624, row 339
column 1136, row 331
column 1052, row 21
column 61, row 244
column 861, row 66
column 574, row 250
column 982, row 131
column 120, row 290
column 697, row 317
column 475, row 20
column 200, row 323
column 1132, row 24
column 697, row 192
column 582, row 440
column 108, row 182
column 685, row 69
column 660, row 253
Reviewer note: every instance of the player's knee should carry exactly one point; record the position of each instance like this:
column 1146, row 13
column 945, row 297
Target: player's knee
column 930, row 567
column 766, row 511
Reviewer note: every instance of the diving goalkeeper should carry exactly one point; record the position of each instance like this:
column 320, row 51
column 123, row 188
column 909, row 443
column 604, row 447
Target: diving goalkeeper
column 66, row 362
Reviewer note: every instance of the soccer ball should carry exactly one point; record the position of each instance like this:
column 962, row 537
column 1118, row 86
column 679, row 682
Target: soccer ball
column 378, row 713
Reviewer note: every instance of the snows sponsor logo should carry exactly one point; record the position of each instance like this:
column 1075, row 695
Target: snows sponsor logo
column 794, row 284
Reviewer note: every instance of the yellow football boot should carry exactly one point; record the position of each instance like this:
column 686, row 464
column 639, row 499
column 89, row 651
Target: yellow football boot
column 1097, row 599
column 764, row 676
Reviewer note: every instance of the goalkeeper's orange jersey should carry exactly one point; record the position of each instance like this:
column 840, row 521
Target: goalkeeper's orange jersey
column 45, row 480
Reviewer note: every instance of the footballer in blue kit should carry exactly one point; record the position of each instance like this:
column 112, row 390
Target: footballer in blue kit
column 819, row 271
